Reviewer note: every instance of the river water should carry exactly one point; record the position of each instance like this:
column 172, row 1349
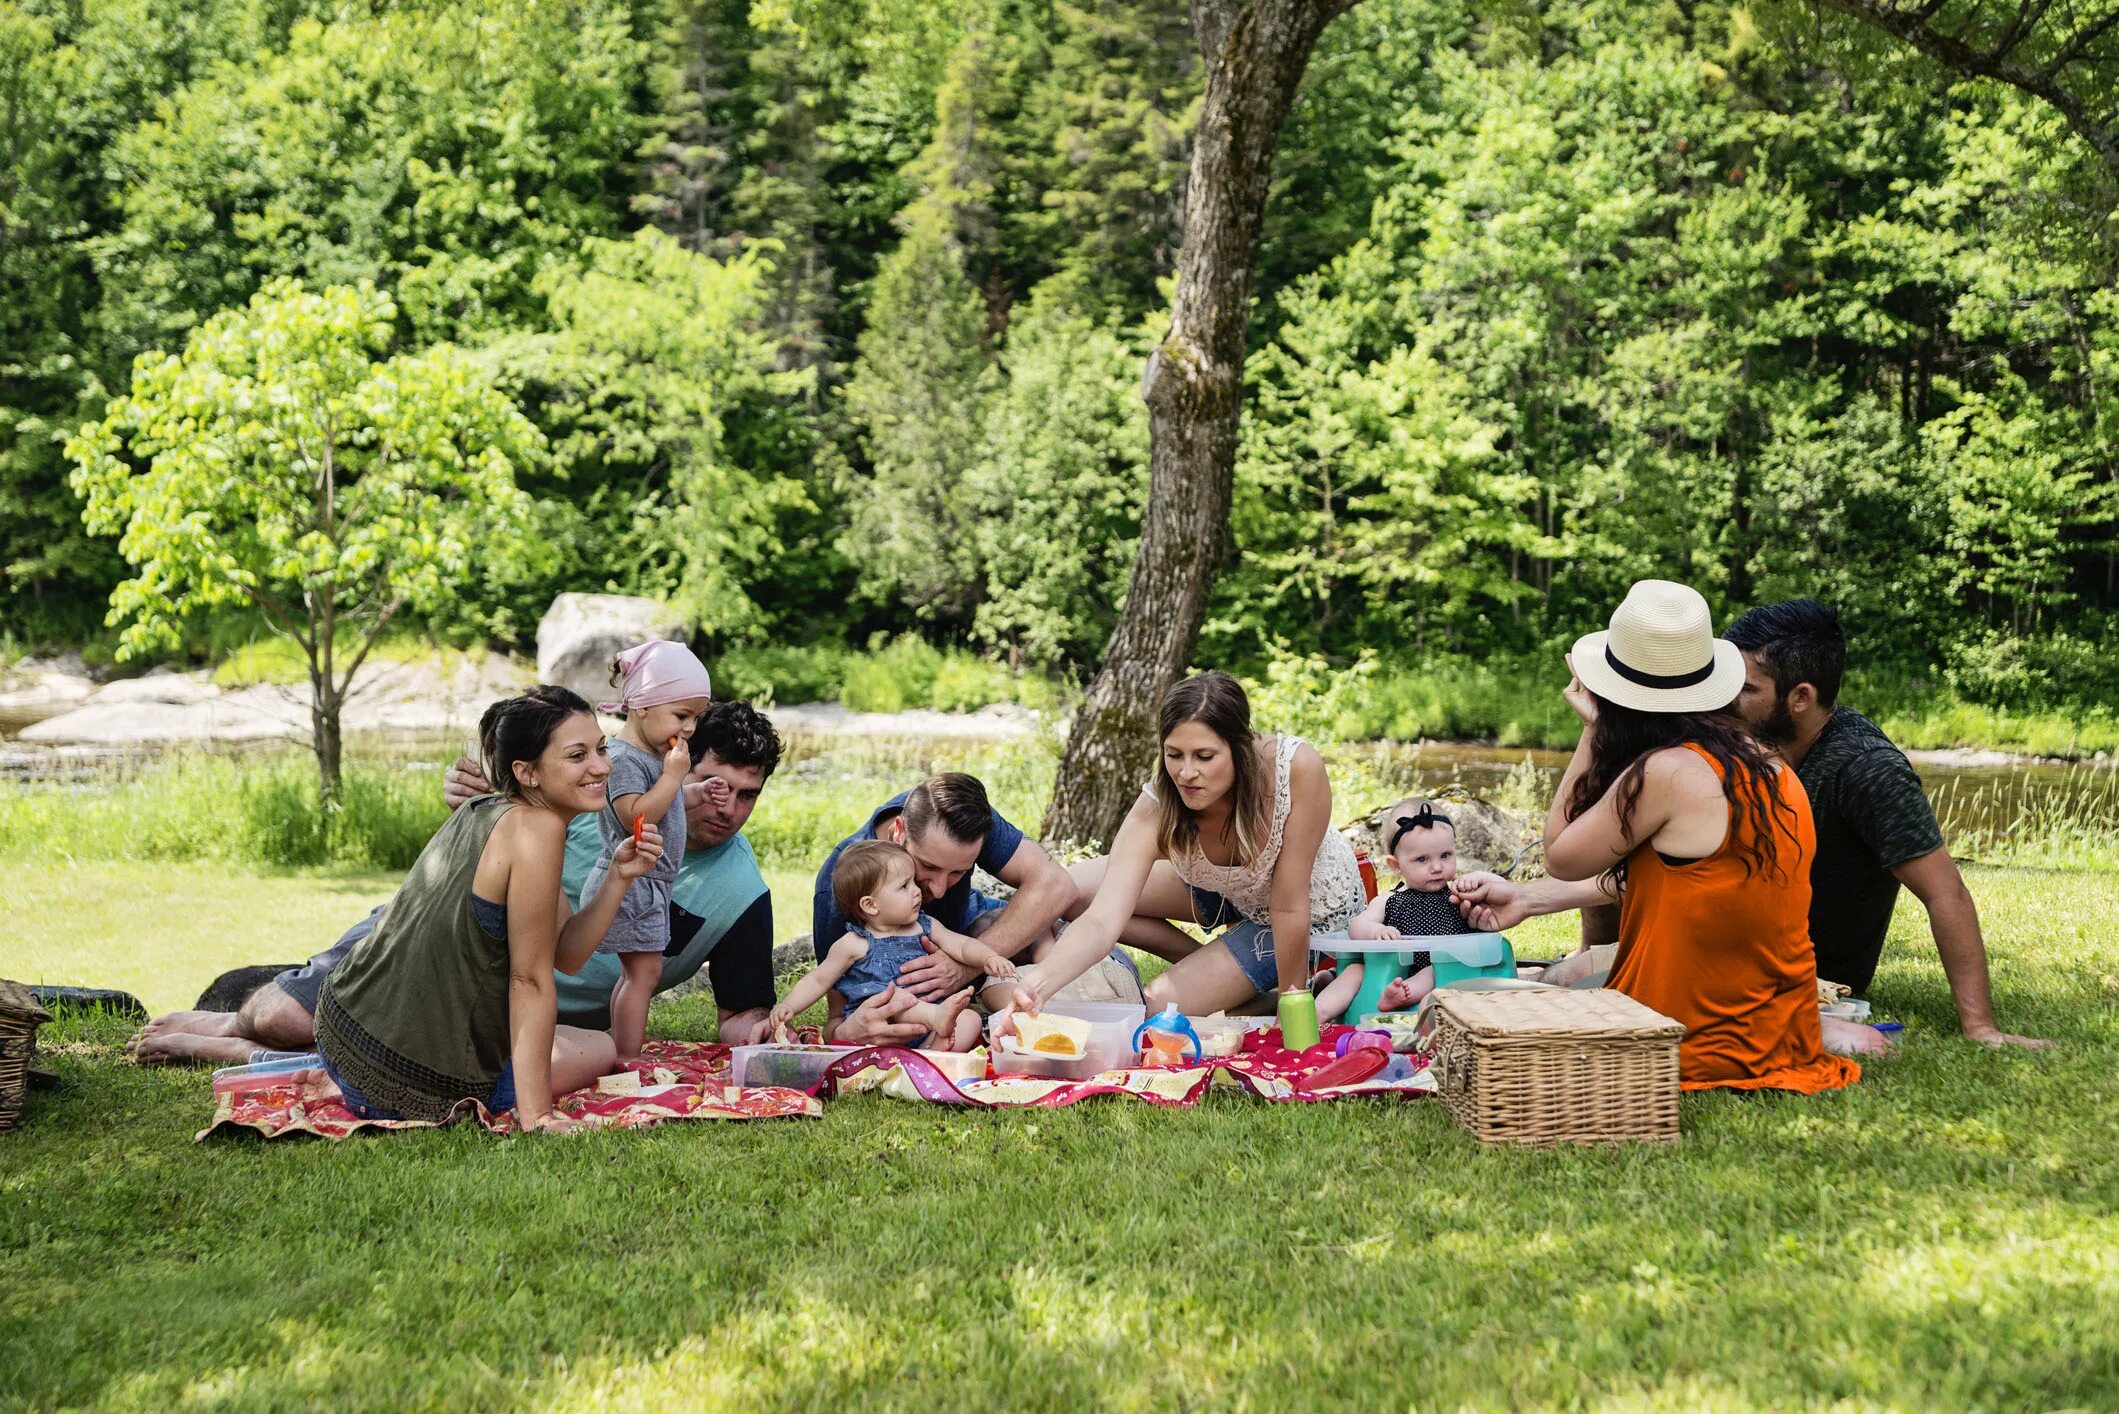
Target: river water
column 1982, row 798
column 1978, row 798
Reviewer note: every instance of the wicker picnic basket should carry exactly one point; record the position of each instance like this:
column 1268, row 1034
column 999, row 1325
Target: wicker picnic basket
column 20, row 1016
column 1546, row 1065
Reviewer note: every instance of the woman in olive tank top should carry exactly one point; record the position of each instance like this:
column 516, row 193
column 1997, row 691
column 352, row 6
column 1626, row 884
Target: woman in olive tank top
column 451, row 998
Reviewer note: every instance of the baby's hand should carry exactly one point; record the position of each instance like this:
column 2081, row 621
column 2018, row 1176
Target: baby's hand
column 677, row 760
column 717, row 791
column 998, row 966
column 776, row 1024
column 637, row 856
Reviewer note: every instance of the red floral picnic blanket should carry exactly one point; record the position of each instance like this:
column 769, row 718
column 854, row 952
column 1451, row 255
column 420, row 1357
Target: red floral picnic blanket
column 1266, row 1069
column 679, row 1080
column 686, row 1080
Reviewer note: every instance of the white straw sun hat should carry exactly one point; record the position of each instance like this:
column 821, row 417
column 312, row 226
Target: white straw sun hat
column 1660, row 654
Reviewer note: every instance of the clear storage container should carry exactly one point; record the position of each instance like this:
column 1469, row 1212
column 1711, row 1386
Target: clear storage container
column 795, row 1067
column 1110, row 1045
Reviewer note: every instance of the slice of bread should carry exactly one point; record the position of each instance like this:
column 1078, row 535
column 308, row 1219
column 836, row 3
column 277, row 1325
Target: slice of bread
column 1052, row 1034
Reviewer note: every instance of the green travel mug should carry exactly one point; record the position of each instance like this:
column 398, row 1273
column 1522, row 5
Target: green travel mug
column 1298, row 1019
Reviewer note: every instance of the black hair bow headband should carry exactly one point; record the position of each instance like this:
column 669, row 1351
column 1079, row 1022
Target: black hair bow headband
column 1427, row 819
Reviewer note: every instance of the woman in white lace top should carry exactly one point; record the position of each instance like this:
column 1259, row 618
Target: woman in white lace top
column 1234, row 830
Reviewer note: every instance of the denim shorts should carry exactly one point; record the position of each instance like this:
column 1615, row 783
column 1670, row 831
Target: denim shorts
column 499, row 1100
column 1251, row 944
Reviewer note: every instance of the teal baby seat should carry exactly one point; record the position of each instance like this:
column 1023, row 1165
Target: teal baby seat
column 1471, row 955
column 1455, row 958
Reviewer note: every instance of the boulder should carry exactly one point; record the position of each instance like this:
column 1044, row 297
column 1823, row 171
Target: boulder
column 581, row 633
column 46, row 694
column 161, row 686
column 1488, row 836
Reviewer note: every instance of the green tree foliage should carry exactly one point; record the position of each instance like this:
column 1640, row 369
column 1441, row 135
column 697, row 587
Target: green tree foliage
column 1550, row 297
column 1670, row 307
column 73, row 79
column 1056, row 497
column 915, row 393
column 656, row 368
column 441, row 151
column 281, row 462
column 1105, row 141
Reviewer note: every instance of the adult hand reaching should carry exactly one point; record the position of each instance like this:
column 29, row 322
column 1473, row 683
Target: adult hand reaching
column 465, row 781
column 880, row 1021
column 638, row 855
column 1029, row 998
column 1488, row 902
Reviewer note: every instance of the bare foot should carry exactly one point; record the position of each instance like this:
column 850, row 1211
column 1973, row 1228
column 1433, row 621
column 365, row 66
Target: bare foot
column 1854, row 1038
column 1569, row 970
column 182, row 1048
column 948, row 1012
column 194, row 1023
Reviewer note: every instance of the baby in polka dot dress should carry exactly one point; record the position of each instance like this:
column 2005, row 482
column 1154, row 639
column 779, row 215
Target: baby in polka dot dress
column 1423, row 850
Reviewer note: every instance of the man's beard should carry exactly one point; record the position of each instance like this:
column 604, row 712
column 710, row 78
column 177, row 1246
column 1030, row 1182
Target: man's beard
column 1779, row 727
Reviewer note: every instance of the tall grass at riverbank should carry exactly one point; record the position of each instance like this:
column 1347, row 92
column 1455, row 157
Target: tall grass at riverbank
column 254, row 807
column 260, row 808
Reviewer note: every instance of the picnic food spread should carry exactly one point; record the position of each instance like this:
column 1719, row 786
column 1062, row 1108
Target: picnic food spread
column 1053, row 1034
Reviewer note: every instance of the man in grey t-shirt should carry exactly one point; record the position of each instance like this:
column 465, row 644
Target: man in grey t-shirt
column 1875, row 828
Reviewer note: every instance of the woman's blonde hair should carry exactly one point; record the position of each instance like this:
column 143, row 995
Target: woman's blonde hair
column 1216, row 701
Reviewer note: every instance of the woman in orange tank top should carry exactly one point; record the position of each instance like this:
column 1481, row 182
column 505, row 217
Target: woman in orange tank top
column 1712, row 839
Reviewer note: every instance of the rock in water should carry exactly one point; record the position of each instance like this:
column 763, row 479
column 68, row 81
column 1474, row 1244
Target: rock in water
column 581, row 633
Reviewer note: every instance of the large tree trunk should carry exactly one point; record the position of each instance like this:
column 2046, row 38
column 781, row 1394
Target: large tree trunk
column 1255, row 54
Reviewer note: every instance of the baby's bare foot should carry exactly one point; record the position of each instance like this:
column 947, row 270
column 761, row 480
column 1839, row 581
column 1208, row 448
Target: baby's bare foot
column 947, row 1012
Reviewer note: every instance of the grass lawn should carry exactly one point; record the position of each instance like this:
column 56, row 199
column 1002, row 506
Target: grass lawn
column 1944, row 1235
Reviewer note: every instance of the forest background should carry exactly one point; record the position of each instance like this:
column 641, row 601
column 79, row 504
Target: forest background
column 828, row 324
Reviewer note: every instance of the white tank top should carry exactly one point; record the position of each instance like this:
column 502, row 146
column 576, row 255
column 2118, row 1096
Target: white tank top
column 1336, row 895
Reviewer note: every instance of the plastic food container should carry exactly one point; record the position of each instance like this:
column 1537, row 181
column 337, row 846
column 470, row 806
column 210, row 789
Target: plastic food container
column 795, row 1067
column 1223, row 1035
column 1852, row 1009
column 1110, row 1047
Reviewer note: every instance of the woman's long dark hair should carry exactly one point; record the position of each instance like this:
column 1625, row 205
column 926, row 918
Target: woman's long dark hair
column 518, row 729
column 1217, row 702
column 1623, row 738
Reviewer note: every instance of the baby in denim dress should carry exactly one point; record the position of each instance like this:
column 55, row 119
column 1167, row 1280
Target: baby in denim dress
column 873, row 882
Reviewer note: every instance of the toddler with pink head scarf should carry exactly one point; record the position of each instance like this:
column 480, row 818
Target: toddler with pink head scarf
column 663, row 690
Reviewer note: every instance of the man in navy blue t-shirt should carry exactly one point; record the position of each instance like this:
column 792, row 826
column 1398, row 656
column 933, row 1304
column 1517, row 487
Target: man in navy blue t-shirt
column 947, row 825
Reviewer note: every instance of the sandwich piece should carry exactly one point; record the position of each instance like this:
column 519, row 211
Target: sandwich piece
column 1052, row 1035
